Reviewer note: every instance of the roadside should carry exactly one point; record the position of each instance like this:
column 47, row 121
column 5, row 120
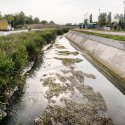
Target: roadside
column 120, row 36
column 122, row 33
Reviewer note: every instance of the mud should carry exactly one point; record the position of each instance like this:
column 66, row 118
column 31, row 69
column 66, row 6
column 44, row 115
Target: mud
column 69, row 61
column 58, row 46
column 90, row 112
column 71, row 102
column 66, row 53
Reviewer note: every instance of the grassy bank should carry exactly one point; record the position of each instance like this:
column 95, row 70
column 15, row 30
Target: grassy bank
column 16, row 50
column 114, row 37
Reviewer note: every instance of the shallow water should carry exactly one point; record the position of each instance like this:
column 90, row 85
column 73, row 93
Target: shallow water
column 33, row 102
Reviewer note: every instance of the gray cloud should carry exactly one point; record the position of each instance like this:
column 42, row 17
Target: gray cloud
column 61, row 11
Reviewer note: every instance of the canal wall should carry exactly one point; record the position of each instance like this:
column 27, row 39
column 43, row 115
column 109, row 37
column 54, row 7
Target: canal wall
column 110, row 53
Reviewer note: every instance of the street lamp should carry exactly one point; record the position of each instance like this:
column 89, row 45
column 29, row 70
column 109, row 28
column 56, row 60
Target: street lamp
column 124, row 14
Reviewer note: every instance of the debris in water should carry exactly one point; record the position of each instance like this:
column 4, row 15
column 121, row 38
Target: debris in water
column 66, row 53
column 69, row 61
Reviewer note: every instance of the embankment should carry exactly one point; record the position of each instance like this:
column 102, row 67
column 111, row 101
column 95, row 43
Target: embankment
column 16, row 51
column 107, row 52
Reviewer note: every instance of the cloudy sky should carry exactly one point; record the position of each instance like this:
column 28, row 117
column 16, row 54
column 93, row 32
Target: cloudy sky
column 61, row 11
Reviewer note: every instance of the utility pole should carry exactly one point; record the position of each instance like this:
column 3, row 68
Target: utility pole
column 124, row 14
column 98, row 18
column 99, row 15
column 99, row 12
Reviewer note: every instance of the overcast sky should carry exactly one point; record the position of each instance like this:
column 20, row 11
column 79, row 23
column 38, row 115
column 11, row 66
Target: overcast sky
column 61, row 11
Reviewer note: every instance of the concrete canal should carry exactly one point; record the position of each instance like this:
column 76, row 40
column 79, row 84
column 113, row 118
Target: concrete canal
column 66, row 88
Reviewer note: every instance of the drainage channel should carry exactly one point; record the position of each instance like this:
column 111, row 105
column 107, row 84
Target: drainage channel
column 66, row 77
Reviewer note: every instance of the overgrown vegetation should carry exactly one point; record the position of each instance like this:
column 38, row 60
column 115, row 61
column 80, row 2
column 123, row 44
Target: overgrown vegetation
column 16, row 50
column 114, row 37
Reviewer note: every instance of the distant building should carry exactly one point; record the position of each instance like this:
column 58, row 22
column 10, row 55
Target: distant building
column 4, row 26
column 89, row 25
column 92, row 25
column 81, row 25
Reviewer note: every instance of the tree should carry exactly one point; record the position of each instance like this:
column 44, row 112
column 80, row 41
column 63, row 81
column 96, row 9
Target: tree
column 1, row 15
column 102, row 19
column 21, row 18
column 90, row 18
column 44, row 22
column 120, row 20
column 85, row 21
column 109, row 18
column 28, row 20
column 9, row 18
column 36, row 20
column 52, row 22
column 116, row 17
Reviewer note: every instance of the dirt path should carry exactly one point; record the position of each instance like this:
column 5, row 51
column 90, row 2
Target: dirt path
column 105, row 32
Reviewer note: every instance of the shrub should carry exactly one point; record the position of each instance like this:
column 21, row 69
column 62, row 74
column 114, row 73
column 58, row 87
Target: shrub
column 16, row 50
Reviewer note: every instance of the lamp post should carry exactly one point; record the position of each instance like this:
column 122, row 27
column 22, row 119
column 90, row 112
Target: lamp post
column 124, row 14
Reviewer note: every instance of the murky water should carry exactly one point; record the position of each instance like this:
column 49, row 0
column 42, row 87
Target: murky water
column 33, row 102
column 11, row 32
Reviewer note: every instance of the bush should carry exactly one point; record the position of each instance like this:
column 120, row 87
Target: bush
column 49, row 36
column 18, row 49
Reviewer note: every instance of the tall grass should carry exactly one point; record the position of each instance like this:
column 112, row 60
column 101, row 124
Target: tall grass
column 16, row 50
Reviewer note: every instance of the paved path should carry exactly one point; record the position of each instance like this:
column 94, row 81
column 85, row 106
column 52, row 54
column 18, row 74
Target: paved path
column 105, row 32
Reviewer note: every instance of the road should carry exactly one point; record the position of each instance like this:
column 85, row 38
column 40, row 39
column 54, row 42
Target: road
column 105, row 32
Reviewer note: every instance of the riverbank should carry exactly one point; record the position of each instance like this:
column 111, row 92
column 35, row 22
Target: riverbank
column 16, row 51
column 110, row 54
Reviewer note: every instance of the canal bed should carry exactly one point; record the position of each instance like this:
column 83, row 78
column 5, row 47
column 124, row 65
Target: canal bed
column 36, row 96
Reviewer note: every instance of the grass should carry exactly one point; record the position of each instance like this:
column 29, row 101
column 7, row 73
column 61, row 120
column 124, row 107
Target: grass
column 16, row 50
column 114, row 37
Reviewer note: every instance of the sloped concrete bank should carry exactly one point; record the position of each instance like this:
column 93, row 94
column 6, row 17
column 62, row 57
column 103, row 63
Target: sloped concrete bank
column 109, row 53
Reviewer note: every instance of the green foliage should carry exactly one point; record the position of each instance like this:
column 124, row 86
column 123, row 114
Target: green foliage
column 36, row 20
column 49, row 36
column 102, row 19
column 90, row 18
column 61, row 31
column 18, row 20
column 16, row 50
column 44, row 22
column 109, row 18
column 105, row 19
column 85, row 21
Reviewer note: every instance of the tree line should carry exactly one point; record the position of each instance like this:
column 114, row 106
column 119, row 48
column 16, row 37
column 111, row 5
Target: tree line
column 106, row 19
column 20, row 19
